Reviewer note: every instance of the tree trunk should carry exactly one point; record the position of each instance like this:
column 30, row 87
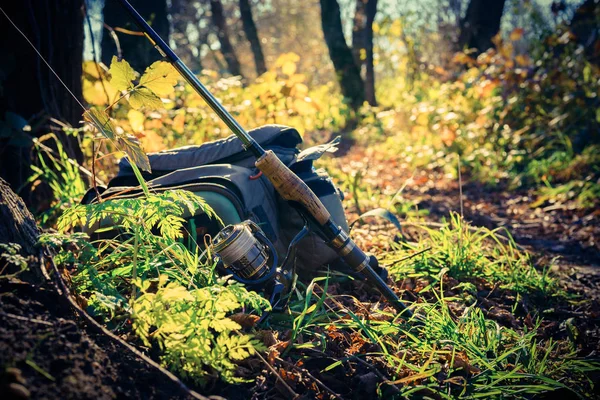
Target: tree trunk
column 218, row 19
column 359, row 24
column 584, row 26
column 481, row 24
column 29, row 88
column 346, row 70
column 16, row 222
column 136, row 49
column 252, row 36
column 184, row 14
column 362, row 44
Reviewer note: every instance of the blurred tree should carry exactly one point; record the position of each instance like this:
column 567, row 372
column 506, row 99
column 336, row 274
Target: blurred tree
column 220, row 23
column 362, row 44
column 584, row 25
column 183, row 15
column 347, row 72
column 29, row 93
column 481, row 24
column 252, row 35
column 135, row 48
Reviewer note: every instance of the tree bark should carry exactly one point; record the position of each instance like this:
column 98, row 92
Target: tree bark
column 29, row 88
column 16, row 222
column 362, row 44
column 347, row 72
column 218, row 19
column 136, row 49
column 358, row 30
column 481, row 24
column 252, row 36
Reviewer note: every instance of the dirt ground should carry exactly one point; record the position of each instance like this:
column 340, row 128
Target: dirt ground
column 48, row 352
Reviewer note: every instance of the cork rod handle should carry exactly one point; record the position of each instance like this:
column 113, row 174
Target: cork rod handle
column 290, row 187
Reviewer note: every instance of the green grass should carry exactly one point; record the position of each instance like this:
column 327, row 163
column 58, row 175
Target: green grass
column 448, row 355
column 466, row 252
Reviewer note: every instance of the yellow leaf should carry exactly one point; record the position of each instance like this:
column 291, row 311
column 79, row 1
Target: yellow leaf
column 90, row 70
column 144, row 97
column 423, row 119
column 523, row 60
column 131, row 145
column 516, row 34
column 152, row 142
column 121, row 74
column 311, row 308
column 376, row 28
column 396, row 28
column 448, row 136
column 462, row 58
column 297, row 78
column 179, row 123
column 93, row 93
column 100, row 120
column 162, row 279
column 268, row 76
column 289, row 68
column 136, row 120
column 363, row 54
column 160, row 78
column 287, row 57
column 300, row 90
column 303, row 107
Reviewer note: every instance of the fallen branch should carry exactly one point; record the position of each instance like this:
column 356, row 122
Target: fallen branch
column 278, row 377
column 25, row 319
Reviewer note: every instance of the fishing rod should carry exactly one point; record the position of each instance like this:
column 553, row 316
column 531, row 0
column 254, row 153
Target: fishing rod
column 286, row 182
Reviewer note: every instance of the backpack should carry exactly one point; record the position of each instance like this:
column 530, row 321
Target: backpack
column 222, row 172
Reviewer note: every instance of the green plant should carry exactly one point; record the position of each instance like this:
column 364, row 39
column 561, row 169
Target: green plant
column 192, row 329
column 58, row 171
column 9, row 254
column 135, row 266
column 467, row 252
column 144, row 273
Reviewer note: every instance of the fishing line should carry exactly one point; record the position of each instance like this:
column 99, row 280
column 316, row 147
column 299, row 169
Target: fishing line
column 43, row 59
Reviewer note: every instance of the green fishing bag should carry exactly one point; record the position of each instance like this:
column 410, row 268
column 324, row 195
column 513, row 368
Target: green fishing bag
column 222, row 172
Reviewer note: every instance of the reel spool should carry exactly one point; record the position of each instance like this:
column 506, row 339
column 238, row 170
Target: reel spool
column 246, row 253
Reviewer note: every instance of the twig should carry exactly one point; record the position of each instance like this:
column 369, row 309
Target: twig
column 317, row 381
column 278, row 377
column 43, row 266
column 21, row 318
column 115, row 39
column 64, row 290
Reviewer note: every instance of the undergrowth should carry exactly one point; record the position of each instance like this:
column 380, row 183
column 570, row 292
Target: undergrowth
column 144, row 274
column 480, row 301
column 459, row 344
column 465, row 252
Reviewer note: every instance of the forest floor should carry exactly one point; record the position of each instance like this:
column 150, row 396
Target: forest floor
column 52, row 352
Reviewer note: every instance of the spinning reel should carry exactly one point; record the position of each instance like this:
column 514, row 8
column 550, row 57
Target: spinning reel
column 248, row 255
